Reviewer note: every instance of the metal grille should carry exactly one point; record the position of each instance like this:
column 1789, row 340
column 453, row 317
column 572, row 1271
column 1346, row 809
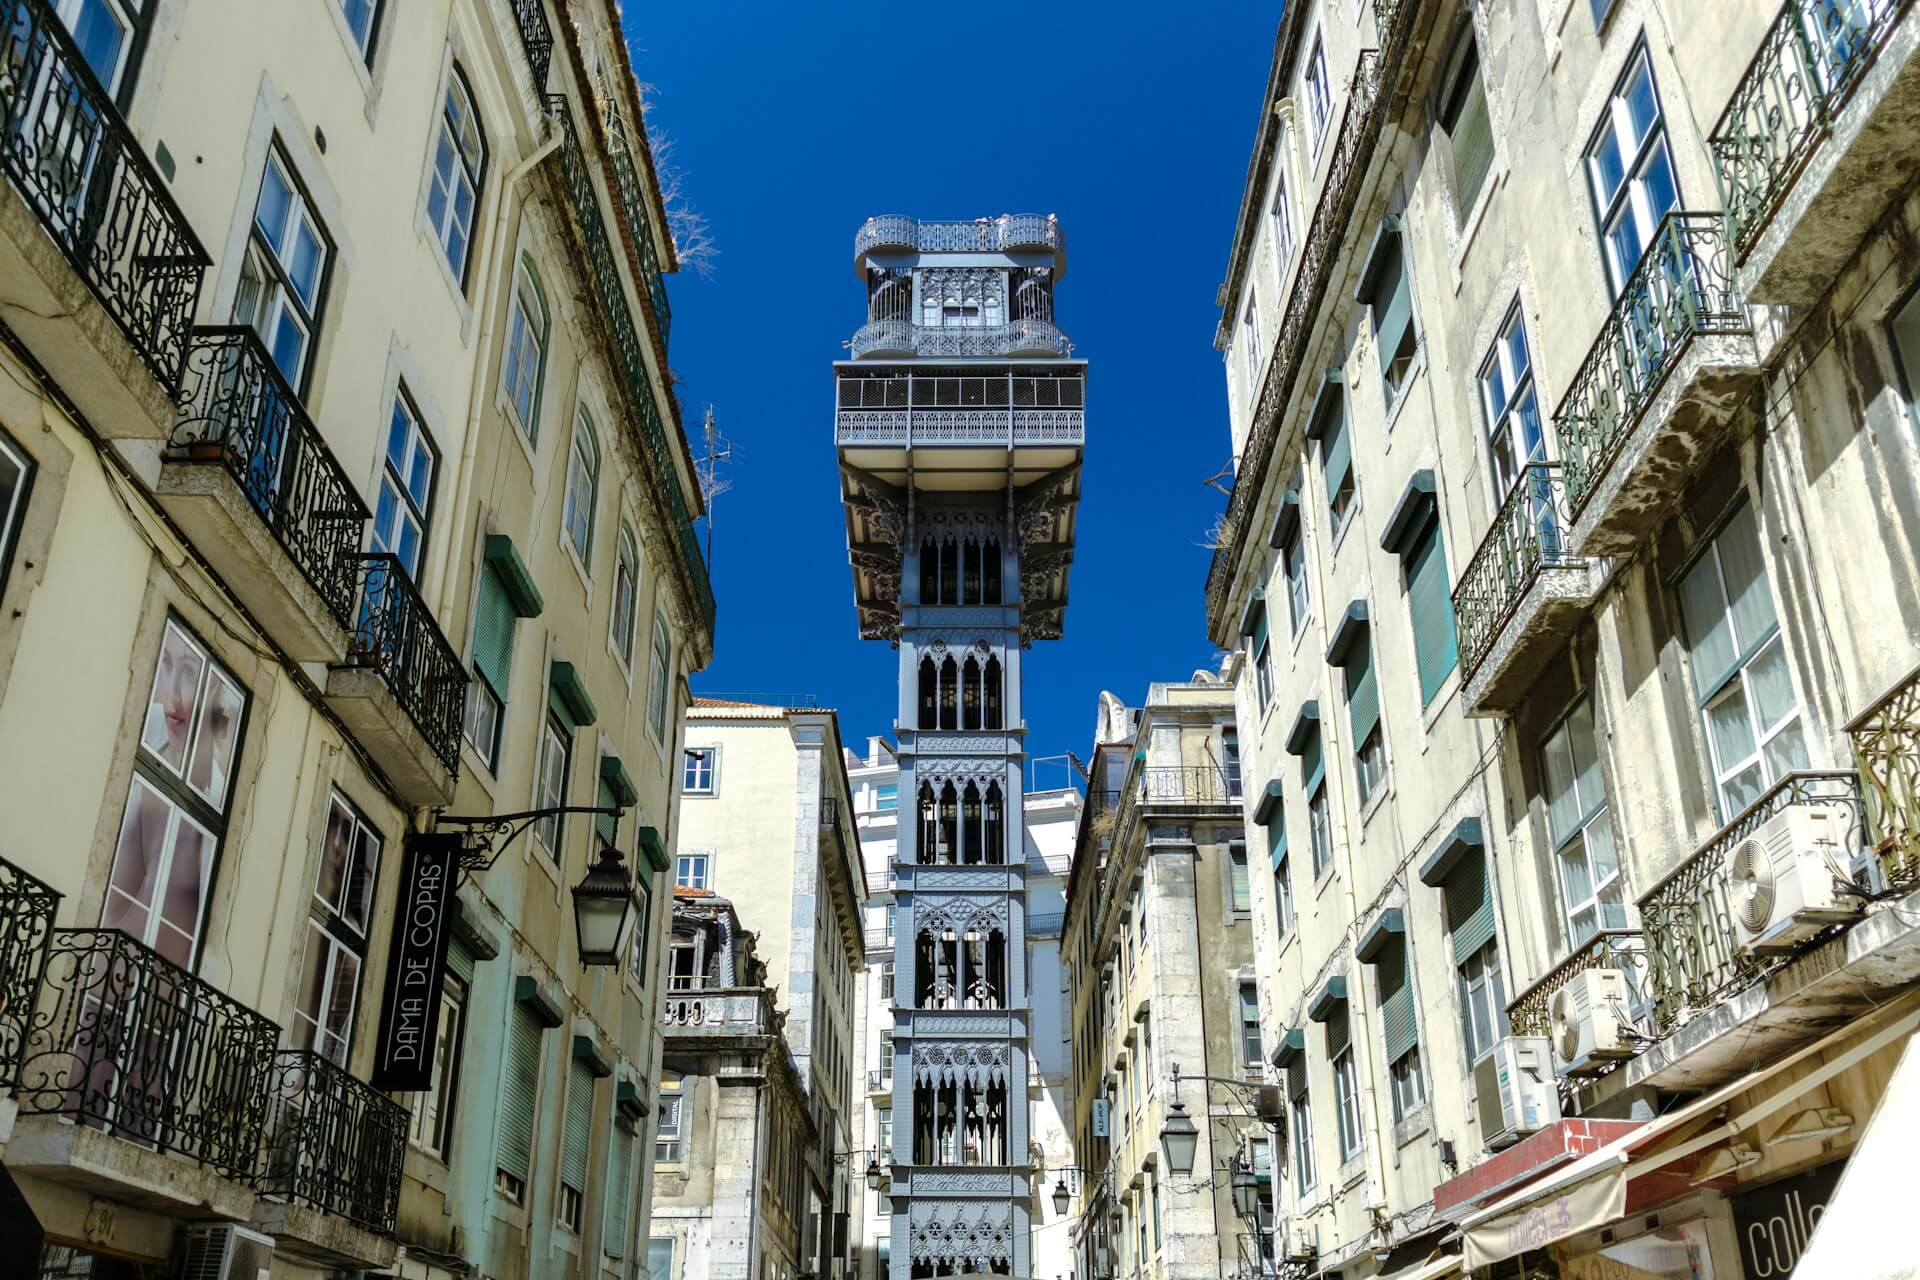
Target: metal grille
column 27, row 908
column 397, row 636
column 1886, row 746
column 334, row 1143
column 1529, row 534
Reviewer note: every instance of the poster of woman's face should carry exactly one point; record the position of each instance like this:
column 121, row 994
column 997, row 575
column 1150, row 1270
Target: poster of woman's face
column 170, row 704
column 214, row 745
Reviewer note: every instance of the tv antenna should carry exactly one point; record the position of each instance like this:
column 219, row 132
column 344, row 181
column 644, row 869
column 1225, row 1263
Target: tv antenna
column 707, row 468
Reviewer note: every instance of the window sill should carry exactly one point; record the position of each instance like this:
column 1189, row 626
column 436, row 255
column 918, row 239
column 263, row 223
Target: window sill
column 1341, row 529
column 579, row 565
column 1405, row 393
column 1353, row 1171
column 1327, row 877
column 462, row 305
column 1442, row 698
column 529, row 446
column 1374, row 801
column 1417, row 1125
column 1468, row 232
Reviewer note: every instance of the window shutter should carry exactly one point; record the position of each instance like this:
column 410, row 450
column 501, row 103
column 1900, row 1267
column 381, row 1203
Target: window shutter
column 604, row 822
column 1432, row 609
column 1277, row 840
column 460, row 960
column 1339, row 1033
column 1392, row 304
column 521, row 1081
column 1310, row 765
column 1469, row 907
column 577, row 1130
column 1472, row 138
column 1363, row 698
column 493, row 619
column 1336, row 456
column 1259, row 632
column 1396, row 1004
column 619, row 1192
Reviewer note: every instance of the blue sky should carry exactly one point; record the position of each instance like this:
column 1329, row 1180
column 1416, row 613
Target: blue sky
column 794, row 122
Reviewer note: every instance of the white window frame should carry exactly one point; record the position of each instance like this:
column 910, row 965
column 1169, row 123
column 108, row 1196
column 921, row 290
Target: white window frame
column 1318, row 94
column 452, row 173
column 659, row 674
column 430, row 1127
column 1638, row 158
column 1407, row 1085
column 693, row 869
column 623, row 612
column 550, row 790
column 1588, row 816
column 1483, row 999
column 275, row 299
column 689, row 771
column 583, row 473
column 1506, row 391
column 1346, row 1099
column 406, row 495
column 669, row 1135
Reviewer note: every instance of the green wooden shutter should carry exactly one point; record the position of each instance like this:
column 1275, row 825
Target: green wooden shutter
column 578, row 1127
column 1397, row 1017
column 521, row 1090
column 1310, row 765
column 604, row 822
column 1336, row 456
column 1259, row 632
column 1277, row 840
column 493, row 619
column 619, row 1192
column 1363, row 697
column 1432, row 609
column 1339, row 1032
column 1469, row 907
column 1472, row 138
column 459, row 960
column 1392, row 304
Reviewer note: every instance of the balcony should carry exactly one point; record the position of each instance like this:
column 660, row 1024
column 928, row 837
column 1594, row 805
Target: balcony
column 142, row 1082
column 335, row 1149
column 1531, row 1012
column 250, row 479
column 879, row 1081
column 536, row 39
column 1660, row 390
column 1886, row 749
column 722, row 1011
column 1817, row 140
column 27, row 907
column 899, row 338
column 1521, row 596
column 101, row 270
column 402, row 690
column 1009, row 233
column 962, row 407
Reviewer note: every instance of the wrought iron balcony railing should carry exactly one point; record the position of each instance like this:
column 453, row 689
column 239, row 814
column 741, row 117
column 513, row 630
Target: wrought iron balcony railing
column 76, row 162
column 1682, row 289
column 961, row 406
column 734, row 1010
column 1003, row 234
column 604, row 276
column 1694, row 957
column 879, row 1081
column 1886, row 747
column 334, row 1143
column 27, row 908
column 1531, row 1012
column 1017, row 337
column 626, row 181
column 236, row 409
column 1812, row 58
column 125, row 1040
column 1528, row 535
column 395, row 634
column 536, row 39
column 1184, row 784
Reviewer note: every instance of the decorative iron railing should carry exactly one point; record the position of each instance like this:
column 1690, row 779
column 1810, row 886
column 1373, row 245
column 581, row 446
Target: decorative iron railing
column 536, row 39
column 1528, row 535
column 1693, row 954
column 626, row 181
column 395, row 634
column 1013, row 338
column 737, row 1010
column 27, row 908
column 1531, row 1012
column 1682, row 289
column 879, row 1081
column 1886, row 747
column 334, row 1143
column 1362, row 121
column 1002, row 234
column 75, row 161
column 1184, row 784
column 127, row 1041
column 237, row 410
column 1809, row 63
column 604, row 275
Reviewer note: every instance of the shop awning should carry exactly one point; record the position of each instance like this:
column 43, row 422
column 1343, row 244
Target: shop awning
column 1432, row 1269
column 1856, row 1238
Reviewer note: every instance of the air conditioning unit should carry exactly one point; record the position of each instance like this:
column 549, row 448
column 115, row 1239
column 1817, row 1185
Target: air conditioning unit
column 227, row 1253
column 1783, row 880
column 1514, row 1086
column 1301, row 1241
column 1589, row 1017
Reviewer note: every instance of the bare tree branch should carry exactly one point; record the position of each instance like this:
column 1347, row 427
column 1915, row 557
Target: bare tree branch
column 693, row 239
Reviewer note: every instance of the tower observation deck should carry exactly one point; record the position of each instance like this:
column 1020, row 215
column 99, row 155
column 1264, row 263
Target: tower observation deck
column 959, row 423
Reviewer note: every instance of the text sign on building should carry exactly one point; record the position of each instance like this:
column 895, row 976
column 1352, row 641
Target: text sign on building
column 1100, row 1117
column 1776, row 1221
column 417, row 963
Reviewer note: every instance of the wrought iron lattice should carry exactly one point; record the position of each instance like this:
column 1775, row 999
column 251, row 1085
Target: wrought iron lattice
column 1813, row 57
column 536, row 39
column 1003, row 234
column 626, row 181
column 1362, row 120
column 1886, row 747
column 334, row 1143
column 127, row 1041
column 237, row 410
column 1528, row 535
column 1682, row 289
column 576, row 178
column 962, row 342
column 27, row 908
column 395, row 634
column 1693, row 954
column 1531, row 1012
column 75, row 161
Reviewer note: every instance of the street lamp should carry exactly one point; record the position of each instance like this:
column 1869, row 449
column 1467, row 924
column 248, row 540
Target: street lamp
column 874, row 1176
column 1061, row 1196
column 602, row 907
column 1246, row 1189
column 1179, row 1137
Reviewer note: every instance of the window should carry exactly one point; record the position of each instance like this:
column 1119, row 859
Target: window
column 1300, row 1125
column 883, row 1135
column 1469, row 130
column 583, row 487
column 459, row 167
column 1282, row 226
column 1409, row 1091
column 576, row 1136
column 626, row 579
column 406, row 488
column 336, row 941
column 1740, row 670
column 1282, row 876
column 1629, row 171
column 1514, row 436
column 1293, row 560
column 1390, row 296
column 697, row 770
column 1250, row 341
column 177, row 801
column 569, row 1214
column 886, row 799
column 890, row 921
column 16, row 481
column 886, row 980
column 361, row 15
column 104, row 34
column 481, row 722
column 518, row 1102
column 431, row 1128
column 1240, row 895
column 1399, row 1026
column 1230, row 760
column 524, row 362
column 619, row 1195
column 1363, row 708
column 661, row 672
column 638, row 955
column 668, row 1147
column 1590, row 884
column 1423, row 564
column 494, row 616
column 1259, row 644
column 1315, row 92
column 1336, row 467
column 690, row 870
column 1346, row 1085
column 283, row 272
column 1250, row 1025
column 1483, row 1000
column 550, row 786
column 660, row 1258
column 1319, row 812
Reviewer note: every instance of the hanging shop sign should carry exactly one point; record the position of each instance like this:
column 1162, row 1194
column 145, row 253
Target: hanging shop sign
column 1776, row 1221
column 417, row 963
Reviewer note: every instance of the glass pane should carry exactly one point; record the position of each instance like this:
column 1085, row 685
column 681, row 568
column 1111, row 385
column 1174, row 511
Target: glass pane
column 1730, row 727
column 170, row 703
column 346, row 986
column 313, row 975
column 419, row 471
column 1606, row 168
column 1658, row 189
column 101, row 35
column 1583, row 924
column 136, row 861
column 276, row 201
column 1785, row 751
column 1563, row 804
column 366, row 866
column 1746, row 577
column 1770, row 685
column 1586, row 762
column 335, row 854
column 304, row 262
column 288, row 343
column 1574, row 873
column 1642, row 108
column 188, row 864
column 1742, row 789
column 217, row 743
column 1710, row 643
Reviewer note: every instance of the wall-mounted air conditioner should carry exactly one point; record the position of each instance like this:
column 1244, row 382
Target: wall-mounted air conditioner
column 1514, row 1088
column 1784, row 880
column 1590, row 1022
column 227, row 1253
